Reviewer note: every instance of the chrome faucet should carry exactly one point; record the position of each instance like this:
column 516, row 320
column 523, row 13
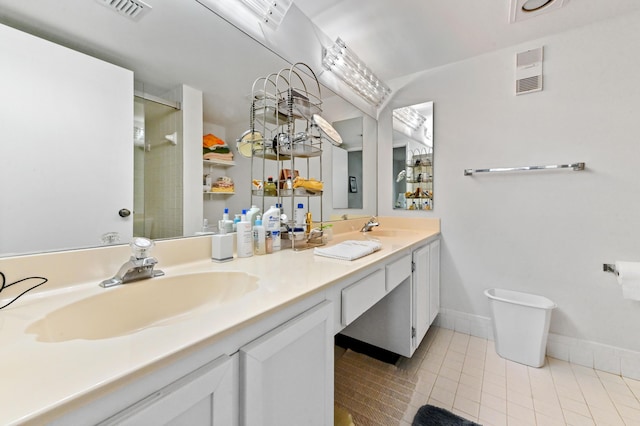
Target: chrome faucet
column 138, row 267
column 369, row 225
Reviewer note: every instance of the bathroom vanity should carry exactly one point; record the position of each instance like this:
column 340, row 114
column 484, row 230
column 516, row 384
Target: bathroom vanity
column 259, row 351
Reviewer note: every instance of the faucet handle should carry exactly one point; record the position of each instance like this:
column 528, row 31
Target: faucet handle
column 141, row 247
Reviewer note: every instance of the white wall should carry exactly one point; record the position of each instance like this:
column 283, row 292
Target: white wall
column 543, row 232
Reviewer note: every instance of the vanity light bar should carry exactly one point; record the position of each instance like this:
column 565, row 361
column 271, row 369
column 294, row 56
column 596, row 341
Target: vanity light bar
column 410, row 117
column 345, row 64
column 271, row 12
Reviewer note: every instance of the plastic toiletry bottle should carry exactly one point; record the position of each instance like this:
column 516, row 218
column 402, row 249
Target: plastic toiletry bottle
column 275, row 236
column 225, row 225
column 252, row 213
column 299, row 216
column 236, row 219
column 271, row 219
column 244, row 236
column 309, row 222
column 270, row 187
column 259, row 237
column 268, row 239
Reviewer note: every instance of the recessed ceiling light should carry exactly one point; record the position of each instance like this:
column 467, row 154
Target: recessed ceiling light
column 524, row 9
column 533, row 5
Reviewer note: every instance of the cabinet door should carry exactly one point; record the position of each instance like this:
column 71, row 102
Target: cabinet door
column 286, row 376
column 434, row 280
column 421, row 303
column 204, row 397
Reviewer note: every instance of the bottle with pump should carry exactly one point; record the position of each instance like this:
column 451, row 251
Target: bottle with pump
column 259, row 237
column 225, row 225
column 244, row 236
column 236, row 219
column 252, row 213
column 271, row 223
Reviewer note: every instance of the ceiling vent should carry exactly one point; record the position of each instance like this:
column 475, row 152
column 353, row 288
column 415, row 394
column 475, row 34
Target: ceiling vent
column 529, row 71
column 132, row 9
column 525, row 9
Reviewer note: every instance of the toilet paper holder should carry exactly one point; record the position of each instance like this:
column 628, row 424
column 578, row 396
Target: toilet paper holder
column 608, row 267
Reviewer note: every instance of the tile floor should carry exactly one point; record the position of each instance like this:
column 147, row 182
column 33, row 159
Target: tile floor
column 464, row 374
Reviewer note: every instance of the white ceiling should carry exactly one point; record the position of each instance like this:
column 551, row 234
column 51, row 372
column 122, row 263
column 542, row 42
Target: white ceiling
column 400, row 37
column 181, row 42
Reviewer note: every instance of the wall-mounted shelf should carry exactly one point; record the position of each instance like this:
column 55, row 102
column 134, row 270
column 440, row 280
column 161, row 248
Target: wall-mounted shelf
column 218, row 193
column 219, row 163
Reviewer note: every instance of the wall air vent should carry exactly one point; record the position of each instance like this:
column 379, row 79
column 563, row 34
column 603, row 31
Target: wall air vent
column 529, row 71
column 132, row 9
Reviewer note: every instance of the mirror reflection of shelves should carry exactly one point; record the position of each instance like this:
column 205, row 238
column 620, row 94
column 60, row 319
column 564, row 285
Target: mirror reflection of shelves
column 419, row 181
column 223, row 185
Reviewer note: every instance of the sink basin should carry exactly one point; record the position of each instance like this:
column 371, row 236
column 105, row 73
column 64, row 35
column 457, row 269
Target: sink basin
column 134, row 306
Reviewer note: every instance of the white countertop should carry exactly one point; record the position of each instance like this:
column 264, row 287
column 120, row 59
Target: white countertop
column 39, row 376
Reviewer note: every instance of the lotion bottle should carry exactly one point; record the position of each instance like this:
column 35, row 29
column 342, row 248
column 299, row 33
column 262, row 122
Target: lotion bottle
column 259, row 237
column 244, row 236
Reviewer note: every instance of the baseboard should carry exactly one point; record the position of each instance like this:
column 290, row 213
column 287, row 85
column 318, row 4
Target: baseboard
column 581, row 352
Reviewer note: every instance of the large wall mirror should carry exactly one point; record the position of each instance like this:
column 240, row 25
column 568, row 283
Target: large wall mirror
column 177, row 43
column 413, row 157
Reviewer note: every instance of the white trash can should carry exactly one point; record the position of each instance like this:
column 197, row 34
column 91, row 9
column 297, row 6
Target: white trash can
column 520, row 325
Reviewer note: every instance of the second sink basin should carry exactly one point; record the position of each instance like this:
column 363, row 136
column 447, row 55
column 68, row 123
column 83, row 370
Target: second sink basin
column 130, row 307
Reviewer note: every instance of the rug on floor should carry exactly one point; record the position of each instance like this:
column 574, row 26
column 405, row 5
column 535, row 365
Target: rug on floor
column 374, row 392
column 429, row 415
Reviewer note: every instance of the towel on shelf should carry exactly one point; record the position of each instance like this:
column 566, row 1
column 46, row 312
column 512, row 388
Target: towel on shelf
column 210, row 140
column 348, row 250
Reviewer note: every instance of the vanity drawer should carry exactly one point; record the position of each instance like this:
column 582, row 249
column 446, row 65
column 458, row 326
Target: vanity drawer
column 362, row 295
column 398, row 271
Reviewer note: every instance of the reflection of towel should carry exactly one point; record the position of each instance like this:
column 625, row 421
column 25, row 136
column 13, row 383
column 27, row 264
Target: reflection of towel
column 211, row 140
column 214, row 156
column 349, row 250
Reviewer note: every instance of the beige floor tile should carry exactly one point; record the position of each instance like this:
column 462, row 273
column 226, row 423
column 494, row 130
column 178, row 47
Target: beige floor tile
column 606, row 417
column 631, row 416
column 446, row 384
column 449, row 373
column 495, row 390
column 494, row 402
column 521, row 399
column 575, row 406
column 551, row 409
column 444, row 396
column 490, row 416
column 467, row 406
column 493, row 378
column 514, row 421
column 469, row 392
column 575, row 419
column 464, row 415
column 544, row 420
column 438, row 403
column 471, row 380
column 516, row 411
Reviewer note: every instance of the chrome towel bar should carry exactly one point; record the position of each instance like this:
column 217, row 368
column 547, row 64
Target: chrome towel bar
column 573, row 166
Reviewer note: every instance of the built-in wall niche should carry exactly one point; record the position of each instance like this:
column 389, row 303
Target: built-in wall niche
column 348, row 185
column 413, row 157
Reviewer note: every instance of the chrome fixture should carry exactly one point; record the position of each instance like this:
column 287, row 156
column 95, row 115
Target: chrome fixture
column 271, row 12
column 370, row 224
column 573, row 166
column 138, row 267
column 609, row 267
column 345, row 64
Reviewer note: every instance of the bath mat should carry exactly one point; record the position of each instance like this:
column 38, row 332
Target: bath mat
column 429, row 415
column 373, row 392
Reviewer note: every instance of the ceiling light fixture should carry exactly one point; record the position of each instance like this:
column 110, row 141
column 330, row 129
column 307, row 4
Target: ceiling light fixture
column 410, row 117
column 345, row 64
column 525, row 9
column 271, row 12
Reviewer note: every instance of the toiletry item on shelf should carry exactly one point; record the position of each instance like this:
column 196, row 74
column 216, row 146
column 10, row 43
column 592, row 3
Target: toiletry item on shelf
column 225, row 225
column 222, row 247
column 309, row 222
column 299, row 216
column 270, row 187
column 268, row 242
column 236, row 219
column 244, row 236
column 252, row 213
column 259, row 237
column 275, row 236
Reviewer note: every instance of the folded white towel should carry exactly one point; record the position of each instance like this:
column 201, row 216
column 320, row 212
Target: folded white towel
column 349, row 250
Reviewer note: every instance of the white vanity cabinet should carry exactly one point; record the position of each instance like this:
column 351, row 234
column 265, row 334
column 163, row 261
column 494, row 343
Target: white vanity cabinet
column 286, row 376
column 399, row 321
column 203, row 397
